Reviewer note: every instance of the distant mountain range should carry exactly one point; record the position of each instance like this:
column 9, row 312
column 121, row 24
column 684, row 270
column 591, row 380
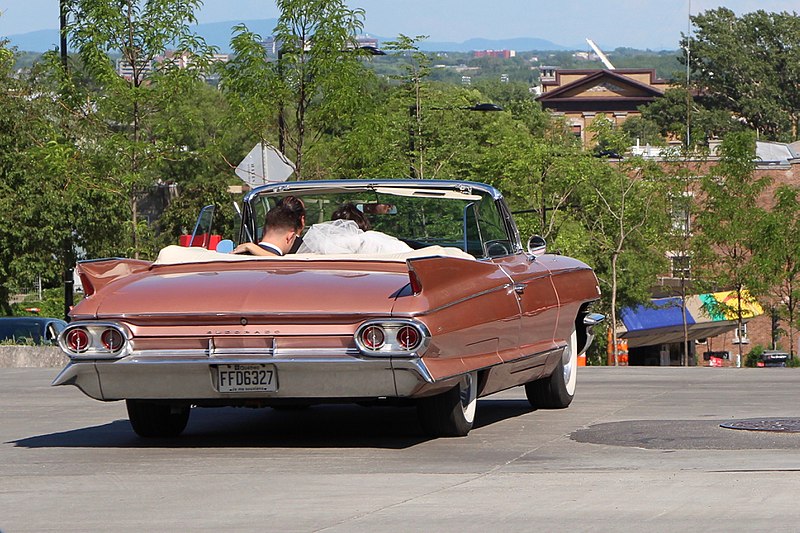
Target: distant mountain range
column 219, row 34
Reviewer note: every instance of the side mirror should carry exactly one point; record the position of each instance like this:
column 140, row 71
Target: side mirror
column 225, row 246
column 537, row 246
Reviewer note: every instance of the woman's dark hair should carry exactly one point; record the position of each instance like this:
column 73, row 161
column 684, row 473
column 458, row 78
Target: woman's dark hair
column 349, row 211
column 293, row 204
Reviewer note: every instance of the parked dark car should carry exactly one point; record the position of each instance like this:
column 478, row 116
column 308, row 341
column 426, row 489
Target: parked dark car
column 30, row 329
column 773, row 358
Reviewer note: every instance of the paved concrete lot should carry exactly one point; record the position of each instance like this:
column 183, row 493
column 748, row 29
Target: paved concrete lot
column 639, row 449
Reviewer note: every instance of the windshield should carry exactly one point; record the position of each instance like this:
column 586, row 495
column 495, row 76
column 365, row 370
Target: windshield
column 470, row 221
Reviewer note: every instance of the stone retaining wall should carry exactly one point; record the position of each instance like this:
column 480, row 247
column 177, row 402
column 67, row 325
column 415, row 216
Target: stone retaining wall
column 32, row 356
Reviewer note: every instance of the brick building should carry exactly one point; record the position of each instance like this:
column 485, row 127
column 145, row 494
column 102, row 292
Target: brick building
column 655, row 334
column 502, row 54
column 581, row 95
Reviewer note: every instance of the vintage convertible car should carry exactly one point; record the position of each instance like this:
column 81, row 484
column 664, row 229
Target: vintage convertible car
column 460, row 312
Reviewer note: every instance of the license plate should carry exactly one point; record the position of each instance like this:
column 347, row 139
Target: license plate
column 247, row 378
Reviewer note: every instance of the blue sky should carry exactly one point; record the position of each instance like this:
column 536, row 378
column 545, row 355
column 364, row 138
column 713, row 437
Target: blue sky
column 655, row 24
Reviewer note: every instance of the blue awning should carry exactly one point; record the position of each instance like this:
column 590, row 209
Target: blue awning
column 664, row 313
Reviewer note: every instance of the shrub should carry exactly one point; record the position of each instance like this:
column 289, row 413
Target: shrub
column 754, row 356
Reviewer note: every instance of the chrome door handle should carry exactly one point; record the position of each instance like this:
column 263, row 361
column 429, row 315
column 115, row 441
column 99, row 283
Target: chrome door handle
column 519, row 288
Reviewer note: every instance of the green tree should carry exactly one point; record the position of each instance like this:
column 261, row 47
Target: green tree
column 17, row 133
column 416, row 69
column 202, row 176
column 667, row 117
column 127, row 151
column 316, row 79
column 538, row 174
column 778, row 256
column 608, row 138
column 249, row 83
column 517, row 99
column 623, row 208
column 750, row 66
column 727, row 240
column 681, row 178
column 643, row 131
column 49, row 211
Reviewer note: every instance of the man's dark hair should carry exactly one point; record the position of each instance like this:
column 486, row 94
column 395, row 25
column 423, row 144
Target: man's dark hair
column 282, row 217
column 349, row 211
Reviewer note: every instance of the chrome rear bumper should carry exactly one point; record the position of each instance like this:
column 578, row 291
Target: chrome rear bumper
column 171, row 377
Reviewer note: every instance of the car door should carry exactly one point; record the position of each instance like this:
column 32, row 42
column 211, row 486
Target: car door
column 531, row 283
column 537, row 299
column 485, row 236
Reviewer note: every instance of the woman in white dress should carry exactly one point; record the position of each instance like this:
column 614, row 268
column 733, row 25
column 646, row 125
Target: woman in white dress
column 349, row 233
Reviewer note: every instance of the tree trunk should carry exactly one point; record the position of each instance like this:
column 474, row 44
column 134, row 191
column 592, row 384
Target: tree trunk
column 790, row 309
column 685, row 356
column 614, row 307
column 542, row 207
column 739, row 320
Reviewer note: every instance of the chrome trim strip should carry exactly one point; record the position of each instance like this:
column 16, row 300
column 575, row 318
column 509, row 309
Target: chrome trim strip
column 570, row 269
column 236, row 316
column 517, row 360
column 414, row 365
column 289, row 352
column 344, row 360
column 367, row 185
column 222, row 352
column 170, row 353
column 261, row 352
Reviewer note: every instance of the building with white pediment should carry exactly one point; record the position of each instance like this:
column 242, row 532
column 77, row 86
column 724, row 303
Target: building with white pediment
column 581, row 95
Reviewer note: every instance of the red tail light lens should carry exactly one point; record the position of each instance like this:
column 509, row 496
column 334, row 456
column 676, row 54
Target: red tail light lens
column 112, row 340
column 408, row 337
column 78, row 340
column 373, row 337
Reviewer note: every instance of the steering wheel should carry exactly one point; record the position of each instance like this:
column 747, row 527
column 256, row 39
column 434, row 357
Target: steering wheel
column 497, row 247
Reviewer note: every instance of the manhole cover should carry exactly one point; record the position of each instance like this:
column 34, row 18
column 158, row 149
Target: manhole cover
column 784, row 425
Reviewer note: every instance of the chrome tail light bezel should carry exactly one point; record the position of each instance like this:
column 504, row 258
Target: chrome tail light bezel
column 392, row 345
column 96, row 333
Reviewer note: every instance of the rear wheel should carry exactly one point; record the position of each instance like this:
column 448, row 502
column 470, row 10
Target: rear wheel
column 557, row 390
column 152, row 419
column 451, row 413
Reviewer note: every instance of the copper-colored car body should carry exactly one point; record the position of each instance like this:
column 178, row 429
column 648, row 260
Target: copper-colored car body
column 439, row 325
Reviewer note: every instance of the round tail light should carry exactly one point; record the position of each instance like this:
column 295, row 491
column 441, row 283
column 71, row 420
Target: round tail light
column 77, row 340
column 373, row 337
column 408, row 337
column 112, row 340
